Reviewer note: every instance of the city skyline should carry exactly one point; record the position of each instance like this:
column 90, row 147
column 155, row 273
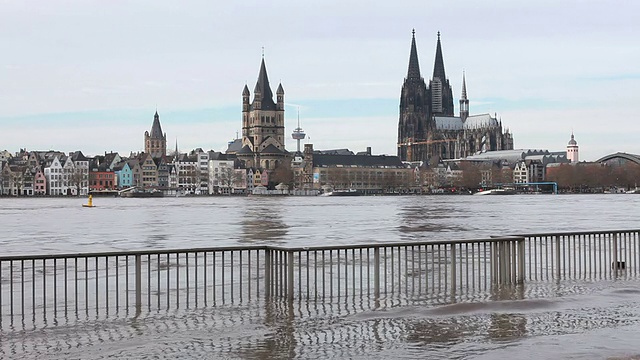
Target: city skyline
column 89, row 76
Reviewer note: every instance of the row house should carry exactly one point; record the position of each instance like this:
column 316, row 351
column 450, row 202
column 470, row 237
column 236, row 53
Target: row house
column 136, row 171
column 54, row 173
column 123, row 175
column 202, row 159
column 163, row 172
column 149, row 171
column 11, row 178
column 101, row 177
column 187, row 173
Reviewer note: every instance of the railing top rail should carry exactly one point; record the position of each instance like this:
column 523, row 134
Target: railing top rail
column 393, row 244
column 305, row 248
column 127, row 253
column 248, row 248
column 568, row 233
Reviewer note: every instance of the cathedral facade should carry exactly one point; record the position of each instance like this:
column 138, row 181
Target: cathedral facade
column 262, row 125
column 428, row 128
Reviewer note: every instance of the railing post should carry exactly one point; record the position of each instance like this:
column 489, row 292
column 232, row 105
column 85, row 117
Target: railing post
column 376, row 272
column 290, row 275
column 614, row 265
column 521, row 260
column 558, row 271
column 267, row 273
column 492, row 265
column 138, row 282
column 504, row 266
column 453, row 269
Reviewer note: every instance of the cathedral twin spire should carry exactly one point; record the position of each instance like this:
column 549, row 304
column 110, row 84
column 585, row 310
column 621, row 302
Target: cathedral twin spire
column 440, row 94
column 438, row 67
column 414, row 65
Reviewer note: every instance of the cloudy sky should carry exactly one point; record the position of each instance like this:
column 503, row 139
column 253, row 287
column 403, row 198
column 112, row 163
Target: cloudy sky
column 89, row 74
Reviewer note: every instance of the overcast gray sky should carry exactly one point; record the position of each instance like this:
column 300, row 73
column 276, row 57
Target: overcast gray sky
column 89, row 75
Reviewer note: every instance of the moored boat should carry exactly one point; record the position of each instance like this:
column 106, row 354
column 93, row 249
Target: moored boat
column 142, row 194
column 496, row 192
column 345, row 192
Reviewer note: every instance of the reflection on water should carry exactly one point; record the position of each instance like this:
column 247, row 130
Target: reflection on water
column 262, row 221
column 267, row 330
column 420, row 218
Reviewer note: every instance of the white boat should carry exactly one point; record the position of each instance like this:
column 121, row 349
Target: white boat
column 496, row 192
column 346, row 192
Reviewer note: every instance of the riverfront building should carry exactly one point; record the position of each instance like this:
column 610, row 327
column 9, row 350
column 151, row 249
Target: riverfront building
column 428, row 128
column 342, row 169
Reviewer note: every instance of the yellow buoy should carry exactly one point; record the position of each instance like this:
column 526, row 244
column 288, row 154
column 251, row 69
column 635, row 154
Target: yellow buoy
column 90, row 203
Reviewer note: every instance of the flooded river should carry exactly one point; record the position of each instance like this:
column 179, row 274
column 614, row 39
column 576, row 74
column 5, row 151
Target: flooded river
column 566, row 320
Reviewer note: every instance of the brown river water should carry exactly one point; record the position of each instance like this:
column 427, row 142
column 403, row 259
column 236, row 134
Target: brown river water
column 573, row 319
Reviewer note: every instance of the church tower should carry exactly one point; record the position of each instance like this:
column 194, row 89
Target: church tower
column 155, row 143
column 414, row 111
column 464, row 101
column 572, row 150
column 262, row 125
column 441, row 94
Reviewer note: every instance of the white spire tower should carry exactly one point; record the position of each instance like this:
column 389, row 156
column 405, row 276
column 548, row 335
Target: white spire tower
column 572, row 150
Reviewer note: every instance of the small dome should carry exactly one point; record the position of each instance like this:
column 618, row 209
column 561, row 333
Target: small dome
column 573, row 142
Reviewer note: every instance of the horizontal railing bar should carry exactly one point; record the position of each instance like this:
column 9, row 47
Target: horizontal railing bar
column 568, row 233
column 128, row 253
column 395, row 244
column 246, row 248
column 302, row 248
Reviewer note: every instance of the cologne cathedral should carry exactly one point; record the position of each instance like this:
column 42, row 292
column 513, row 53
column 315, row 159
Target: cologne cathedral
column 428, row 128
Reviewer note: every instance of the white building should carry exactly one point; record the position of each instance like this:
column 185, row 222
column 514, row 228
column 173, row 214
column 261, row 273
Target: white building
column 521, row 173
column 54, row 173
column 221, row 176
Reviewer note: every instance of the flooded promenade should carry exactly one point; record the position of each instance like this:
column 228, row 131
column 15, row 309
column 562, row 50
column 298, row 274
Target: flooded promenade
column 577, row 318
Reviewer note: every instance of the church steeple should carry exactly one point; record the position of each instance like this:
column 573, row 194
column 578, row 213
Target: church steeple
column 414, row 110
column 414, row 66
column 464, row 101
column 263, row 97
column 156, row 129
column 439, row 88
column 438, row 67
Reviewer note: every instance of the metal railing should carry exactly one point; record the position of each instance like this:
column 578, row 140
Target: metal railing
column 582, row 255
column 100, row 284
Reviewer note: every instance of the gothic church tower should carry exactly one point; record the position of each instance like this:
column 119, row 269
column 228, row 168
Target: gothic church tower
column 262, row 125
column 414, row 111
column 155, row 143
column 441, row 94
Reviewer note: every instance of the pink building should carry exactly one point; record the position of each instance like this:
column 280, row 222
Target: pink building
column 39, row 183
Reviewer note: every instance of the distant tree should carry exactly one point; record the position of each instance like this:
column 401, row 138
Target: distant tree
column 225, row 177
column 78, row 180
column 282, row 174
column 471, row 176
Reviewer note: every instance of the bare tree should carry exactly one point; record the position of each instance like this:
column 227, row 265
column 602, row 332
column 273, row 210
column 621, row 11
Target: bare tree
column 471, row 176
column 283, row 174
